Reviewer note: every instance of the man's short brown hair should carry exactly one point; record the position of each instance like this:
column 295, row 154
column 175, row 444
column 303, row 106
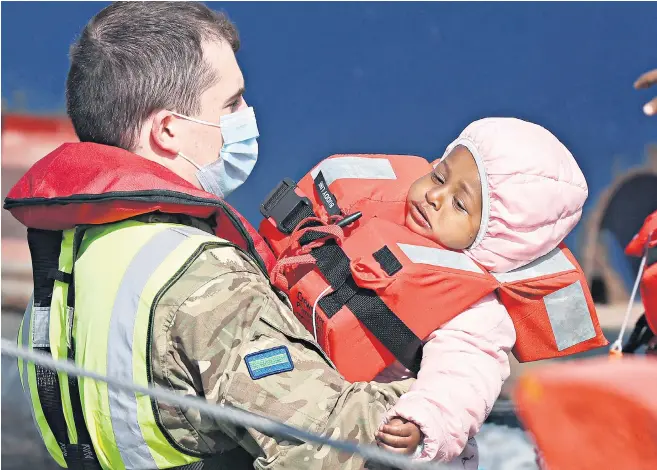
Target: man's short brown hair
column 135, row 58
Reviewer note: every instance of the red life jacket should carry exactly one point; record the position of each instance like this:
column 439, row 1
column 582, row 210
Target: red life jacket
column 378, row 289
column 644, row 243
column 86, row 183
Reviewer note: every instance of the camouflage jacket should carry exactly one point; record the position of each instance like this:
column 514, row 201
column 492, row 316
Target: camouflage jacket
column 219, row 311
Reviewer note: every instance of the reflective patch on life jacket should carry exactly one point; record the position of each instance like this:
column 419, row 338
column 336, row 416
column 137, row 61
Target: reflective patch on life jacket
column 439, row 257
column 552, row 263
column 569, row 316
column 41, row 327
column 355, row 168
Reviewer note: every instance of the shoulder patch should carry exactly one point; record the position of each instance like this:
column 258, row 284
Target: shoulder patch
column 269, row 362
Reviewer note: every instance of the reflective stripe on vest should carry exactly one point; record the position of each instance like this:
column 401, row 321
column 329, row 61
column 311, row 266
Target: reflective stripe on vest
column 123, row 407
column 567, row 308
column 139, row 260
column 552, row 263
column 353, row 168
column 439, row 257
column 120, row 272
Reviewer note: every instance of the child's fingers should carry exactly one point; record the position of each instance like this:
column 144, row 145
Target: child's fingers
column 397, row 430
column 393, row 441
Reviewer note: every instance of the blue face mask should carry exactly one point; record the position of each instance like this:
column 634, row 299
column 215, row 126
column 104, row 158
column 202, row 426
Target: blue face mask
column 237, row 157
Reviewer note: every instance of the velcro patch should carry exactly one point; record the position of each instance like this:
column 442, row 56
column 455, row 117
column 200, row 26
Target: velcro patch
column 268, row 362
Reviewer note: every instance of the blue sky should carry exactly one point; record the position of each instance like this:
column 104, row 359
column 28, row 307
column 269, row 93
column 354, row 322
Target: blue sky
column 333, row 77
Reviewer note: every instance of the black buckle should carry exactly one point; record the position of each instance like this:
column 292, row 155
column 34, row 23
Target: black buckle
column 283, row 202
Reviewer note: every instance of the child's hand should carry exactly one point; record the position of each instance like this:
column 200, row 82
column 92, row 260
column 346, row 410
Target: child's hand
column 399, row 436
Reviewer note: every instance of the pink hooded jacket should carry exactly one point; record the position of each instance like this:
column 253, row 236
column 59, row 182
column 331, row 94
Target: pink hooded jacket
column 533, row 192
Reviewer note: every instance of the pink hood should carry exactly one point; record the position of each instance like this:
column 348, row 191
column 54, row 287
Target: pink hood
column 533, row 191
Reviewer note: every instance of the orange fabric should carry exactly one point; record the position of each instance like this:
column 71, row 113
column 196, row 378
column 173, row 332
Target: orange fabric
column 423, row 296
column 637, row 245
column 646, row 238
column 592, row 414
column 356, row 352
column 524, row 302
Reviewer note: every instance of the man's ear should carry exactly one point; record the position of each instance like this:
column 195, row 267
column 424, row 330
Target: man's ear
column 165, row 128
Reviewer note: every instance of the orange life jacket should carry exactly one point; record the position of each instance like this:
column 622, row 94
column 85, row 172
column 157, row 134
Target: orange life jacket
column 644, row 243
column 592, row 414
column 378, row 289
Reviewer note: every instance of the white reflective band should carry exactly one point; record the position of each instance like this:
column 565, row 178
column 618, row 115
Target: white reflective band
column 41, row 327
column 123, row 407
column 355, row 168
column 25, row 337
column 439, row 257
column 69, row 323
column 552, row 263
column 25, row 342
column 569, row 316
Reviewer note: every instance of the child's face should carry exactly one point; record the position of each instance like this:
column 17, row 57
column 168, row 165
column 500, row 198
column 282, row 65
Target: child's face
column 445, row 205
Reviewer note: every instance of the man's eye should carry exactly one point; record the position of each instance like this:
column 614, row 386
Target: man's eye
column 236, row 104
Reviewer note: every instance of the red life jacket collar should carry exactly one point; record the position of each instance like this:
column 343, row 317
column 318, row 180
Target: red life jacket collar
column 86, row 183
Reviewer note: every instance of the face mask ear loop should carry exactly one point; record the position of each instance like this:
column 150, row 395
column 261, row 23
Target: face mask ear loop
column 180, row 154
column 198, row 121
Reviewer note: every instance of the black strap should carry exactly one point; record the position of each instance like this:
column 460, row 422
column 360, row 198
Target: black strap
column 45, row 246
column 641, row 335
column 82, row 454
column 60, row 276
column 47, row 382
column 366, row 305
column 332, row 263
column 651, row 256
column 388, row 261
column 45, row 249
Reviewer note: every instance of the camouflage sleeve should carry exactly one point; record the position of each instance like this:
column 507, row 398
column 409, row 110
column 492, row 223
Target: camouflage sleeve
column 217, row 327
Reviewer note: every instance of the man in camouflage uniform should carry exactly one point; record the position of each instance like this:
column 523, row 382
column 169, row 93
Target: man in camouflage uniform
column 223, row 307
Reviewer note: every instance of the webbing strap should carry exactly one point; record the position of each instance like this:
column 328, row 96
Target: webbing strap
column 366, row 305
column 388, row 261
column 295, row 217
column 45, row 248
column 651, row 256
column 82, row 454
column 47, row 382
column 641, row 335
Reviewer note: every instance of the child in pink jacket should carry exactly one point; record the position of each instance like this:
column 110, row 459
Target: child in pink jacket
column 506, row 192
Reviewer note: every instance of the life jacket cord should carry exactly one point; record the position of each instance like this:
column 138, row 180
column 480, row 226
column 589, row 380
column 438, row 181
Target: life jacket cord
column 319, row 297
column 616, row 348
